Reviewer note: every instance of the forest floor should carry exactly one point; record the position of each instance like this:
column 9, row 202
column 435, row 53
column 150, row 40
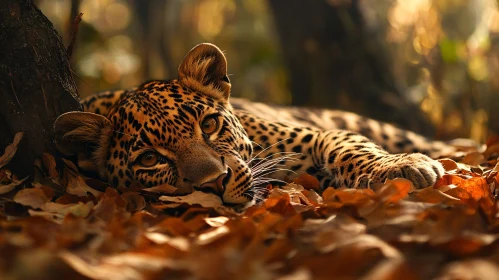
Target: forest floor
column 67, row 226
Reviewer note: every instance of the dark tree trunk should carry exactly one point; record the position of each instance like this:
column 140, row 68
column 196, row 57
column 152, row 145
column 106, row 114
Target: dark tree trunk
column 154, row 38
column 36, row 84
column 335, row 61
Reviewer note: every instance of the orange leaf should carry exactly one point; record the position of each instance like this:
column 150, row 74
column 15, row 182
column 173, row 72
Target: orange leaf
column 448, row 164
column 474, row 188
column 308, row 181
column 395, row 190
column 477, row 187
column 280, row 205
column 448, row 180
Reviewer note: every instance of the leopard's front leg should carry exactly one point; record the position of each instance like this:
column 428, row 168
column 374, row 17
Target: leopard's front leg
column 354, row 161
column 337, row 158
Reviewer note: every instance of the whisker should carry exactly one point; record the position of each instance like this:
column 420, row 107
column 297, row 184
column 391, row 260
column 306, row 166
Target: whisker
column 272, row 155
column 257, row 144
column 267, row 149
column 270, row 171
column 267, row 162
column 268, row 180
column 266, row 167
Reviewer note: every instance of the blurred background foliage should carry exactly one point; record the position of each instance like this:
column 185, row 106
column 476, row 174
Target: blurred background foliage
column 426, row 65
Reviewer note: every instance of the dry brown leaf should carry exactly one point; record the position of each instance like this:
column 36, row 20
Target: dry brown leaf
column 135, row 202
column 392, row 269
column 279, row 203
column 491, row 150
column 394, row 190
column 109, row 205
column 313, row 197
column 448, row 164
column 470, row 269
column 56, row 212
column 467, row 245
column 76, row 185
column 10, row 150
column 212, row 235
column 178, row 242
column 69, row 164
column 308, row 181
column 130, row 266
column 296, row 197
column 433, row 195
column 197, row 197
column 79, row 209
column 49, row 163
column 10, row 186
column 474, row 188
column 473, row 158
column 164, row 189
column 32, row 197
column 447, row 180
column 216, row 221
column 299, row 274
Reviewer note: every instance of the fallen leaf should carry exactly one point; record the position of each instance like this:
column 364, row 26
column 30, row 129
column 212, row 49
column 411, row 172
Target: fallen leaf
column 49, row 162
column 33, row 197
column 279, row 204
column 299, row 274
column 473, row 158
column 10, row 186
column 10, row 150
column 470, row 269
column 76, row 185
column 178, row 242
column 433, row 195
column 197, row 197
column 392, row 269
column 134, row 201
column 164, row 189
column 212, row 235
column 216, row 221
column 56, row 212
column 448, row 164
column 394, row 190
column 70, row 165
column 308, row 181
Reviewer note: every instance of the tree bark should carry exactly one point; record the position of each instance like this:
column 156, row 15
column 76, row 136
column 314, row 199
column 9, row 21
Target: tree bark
column 335, row 61
column 36, row 84
column 154, row 38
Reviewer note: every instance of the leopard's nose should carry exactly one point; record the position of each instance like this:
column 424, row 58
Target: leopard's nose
column 216, row 186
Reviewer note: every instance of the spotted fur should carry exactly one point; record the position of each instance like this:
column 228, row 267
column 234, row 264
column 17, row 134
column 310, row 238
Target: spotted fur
column 165, row 117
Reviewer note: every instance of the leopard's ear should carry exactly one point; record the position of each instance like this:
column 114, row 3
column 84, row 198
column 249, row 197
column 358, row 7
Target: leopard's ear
column 86, row 135
column 204, row 69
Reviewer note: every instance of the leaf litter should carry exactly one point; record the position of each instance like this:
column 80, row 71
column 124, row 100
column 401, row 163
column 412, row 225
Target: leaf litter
column 65, row 225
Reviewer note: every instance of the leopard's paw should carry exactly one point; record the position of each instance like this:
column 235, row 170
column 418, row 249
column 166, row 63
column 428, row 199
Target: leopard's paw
column 418, row 168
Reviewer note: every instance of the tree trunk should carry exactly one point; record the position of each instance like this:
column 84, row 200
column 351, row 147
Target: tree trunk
column 335, row 61
column 154, row 39
column 36, row 84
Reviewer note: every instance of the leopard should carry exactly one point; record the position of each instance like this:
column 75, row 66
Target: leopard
column 190, row 134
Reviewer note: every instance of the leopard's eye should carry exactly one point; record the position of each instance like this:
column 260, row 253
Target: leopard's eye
column 209, row 125
column 148, row 159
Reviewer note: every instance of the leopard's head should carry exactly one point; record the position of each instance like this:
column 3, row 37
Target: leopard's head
column 180, row 132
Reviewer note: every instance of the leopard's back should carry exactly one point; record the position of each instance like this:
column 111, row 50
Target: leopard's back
column 390, row 137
